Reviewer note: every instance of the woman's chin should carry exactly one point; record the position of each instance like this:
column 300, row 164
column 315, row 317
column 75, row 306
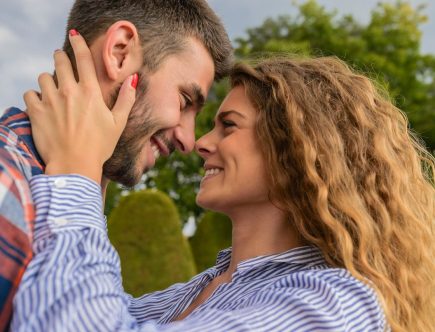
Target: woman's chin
column 204, row 201
column 201, row 202
column 209, row 204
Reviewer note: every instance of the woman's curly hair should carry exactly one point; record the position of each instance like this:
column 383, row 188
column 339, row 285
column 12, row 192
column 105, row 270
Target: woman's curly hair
column 351, row 176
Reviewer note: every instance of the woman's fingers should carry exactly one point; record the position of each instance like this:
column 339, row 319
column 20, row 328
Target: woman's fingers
column 48, row 87
column 64, row 71
column 73, row 128
column 85, row 64
column 124, row 102
column 32, row 101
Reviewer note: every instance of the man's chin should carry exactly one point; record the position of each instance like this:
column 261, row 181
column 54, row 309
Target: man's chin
column 126, row 169
column 126, row 179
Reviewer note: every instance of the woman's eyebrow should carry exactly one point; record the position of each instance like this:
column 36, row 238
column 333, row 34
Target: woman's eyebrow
column 223, row 114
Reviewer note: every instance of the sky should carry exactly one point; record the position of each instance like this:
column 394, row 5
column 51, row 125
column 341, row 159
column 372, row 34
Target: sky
column 30, row 31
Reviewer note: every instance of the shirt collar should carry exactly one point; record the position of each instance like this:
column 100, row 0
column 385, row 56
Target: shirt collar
column 223, row 259
column 18, row 122
column 306, row 255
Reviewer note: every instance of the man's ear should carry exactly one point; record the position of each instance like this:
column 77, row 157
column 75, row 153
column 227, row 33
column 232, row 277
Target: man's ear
column 121, row 50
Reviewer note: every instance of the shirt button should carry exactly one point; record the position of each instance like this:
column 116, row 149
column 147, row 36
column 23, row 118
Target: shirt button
column 60, row 183
column 60, row 221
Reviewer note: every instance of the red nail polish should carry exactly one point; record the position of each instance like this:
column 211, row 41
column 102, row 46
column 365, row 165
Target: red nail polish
column 73, row 32
column 134, row 80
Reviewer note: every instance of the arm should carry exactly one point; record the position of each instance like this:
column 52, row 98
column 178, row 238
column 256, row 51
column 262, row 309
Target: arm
column 76, row 266
column 74, row 281
column 16, row 225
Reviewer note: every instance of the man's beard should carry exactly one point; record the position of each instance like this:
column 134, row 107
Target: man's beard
column 122, row 166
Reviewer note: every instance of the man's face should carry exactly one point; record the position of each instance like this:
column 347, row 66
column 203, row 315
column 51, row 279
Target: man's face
column 163, row 116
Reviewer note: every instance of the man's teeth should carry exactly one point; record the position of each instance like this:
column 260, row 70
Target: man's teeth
column 156, row 151
column 212, row 171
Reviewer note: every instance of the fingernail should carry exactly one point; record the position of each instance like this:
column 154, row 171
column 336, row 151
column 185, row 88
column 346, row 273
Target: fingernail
column 134, row 80
column 57, row 50
column 73, row 32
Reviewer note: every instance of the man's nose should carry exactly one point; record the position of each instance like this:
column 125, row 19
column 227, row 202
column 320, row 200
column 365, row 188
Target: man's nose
column 184, row 137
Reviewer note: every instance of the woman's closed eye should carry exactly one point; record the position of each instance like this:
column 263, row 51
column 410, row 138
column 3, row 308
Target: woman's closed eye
column 228, row 123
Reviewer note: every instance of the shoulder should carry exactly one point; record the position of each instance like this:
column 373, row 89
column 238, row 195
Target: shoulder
column 17, row 157
column 336, row 280
column 13, row 167
column 16, row 205
column 330, row 296
column 16, row 217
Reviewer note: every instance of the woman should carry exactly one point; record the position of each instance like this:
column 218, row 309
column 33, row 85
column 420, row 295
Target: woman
column 332, row 218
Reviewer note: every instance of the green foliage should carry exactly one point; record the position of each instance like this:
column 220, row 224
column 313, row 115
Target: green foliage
column 113, row 194
column 212, row 235
column 386, row 49
column 145, row 229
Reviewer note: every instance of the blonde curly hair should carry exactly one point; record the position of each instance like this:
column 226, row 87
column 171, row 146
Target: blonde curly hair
column 351, row 176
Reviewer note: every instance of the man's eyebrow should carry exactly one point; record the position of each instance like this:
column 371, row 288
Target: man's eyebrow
column 223, row 114
column 198, row 97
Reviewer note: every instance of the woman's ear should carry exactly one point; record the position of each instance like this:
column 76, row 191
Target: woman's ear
column 121, row 50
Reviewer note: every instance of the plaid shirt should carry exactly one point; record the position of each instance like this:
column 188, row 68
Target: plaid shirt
column 19, row 162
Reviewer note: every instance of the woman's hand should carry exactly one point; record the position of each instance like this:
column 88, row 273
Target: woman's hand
column 73, row 129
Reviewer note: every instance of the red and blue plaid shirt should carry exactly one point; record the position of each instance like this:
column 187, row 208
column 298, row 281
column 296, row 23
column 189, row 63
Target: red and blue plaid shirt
column 19, row 161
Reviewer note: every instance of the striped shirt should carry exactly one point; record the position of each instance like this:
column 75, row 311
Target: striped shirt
column 19, row 162
column 74, row 281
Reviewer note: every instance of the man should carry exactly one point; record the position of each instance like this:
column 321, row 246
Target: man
column 176, row 47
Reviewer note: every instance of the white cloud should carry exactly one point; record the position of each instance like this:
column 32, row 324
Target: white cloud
column 29, row 33
column 8, row 37
column 19, row 75
column 40, row 15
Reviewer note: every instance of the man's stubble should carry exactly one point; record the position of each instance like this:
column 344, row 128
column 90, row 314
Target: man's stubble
column 122, row 166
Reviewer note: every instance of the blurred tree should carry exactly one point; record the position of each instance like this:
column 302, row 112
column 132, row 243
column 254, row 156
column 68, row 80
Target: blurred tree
column 387, row 48
column 212, row 235
column 145, row 230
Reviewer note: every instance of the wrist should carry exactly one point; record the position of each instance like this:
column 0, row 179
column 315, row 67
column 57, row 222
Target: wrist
column 88, row 169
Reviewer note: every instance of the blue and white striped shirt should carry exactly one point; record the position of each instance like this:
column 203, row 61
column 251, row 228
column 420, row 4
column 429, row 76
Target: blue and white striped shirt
column 74, row 281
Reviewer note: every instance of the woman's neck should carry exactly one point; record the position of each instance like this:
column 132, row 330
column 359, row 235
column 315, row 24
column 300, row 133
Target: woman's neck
column 260, row 231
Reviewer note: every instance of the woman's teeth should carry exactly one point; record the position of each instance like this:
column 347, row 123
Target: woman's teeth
column 212, row 171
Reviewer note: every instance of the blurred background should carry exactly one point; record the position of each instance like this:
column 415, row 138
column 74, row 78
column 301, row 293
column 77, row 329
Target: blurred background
column 30, row 30
column 391, row 41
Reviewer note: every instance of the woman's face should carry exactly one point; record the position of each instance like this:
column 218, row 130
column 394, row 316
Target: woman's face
column 235, row 175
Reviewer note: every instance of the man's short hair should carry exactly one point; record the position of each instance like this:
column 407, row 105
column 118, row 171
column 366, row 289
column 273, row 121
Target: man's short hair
column 163, row 27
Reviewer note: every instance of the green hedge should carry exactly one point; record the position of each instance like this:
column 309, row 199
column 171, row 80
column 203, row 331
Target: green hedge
column 113, row 195
column 145, row 228
column 212, row 235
